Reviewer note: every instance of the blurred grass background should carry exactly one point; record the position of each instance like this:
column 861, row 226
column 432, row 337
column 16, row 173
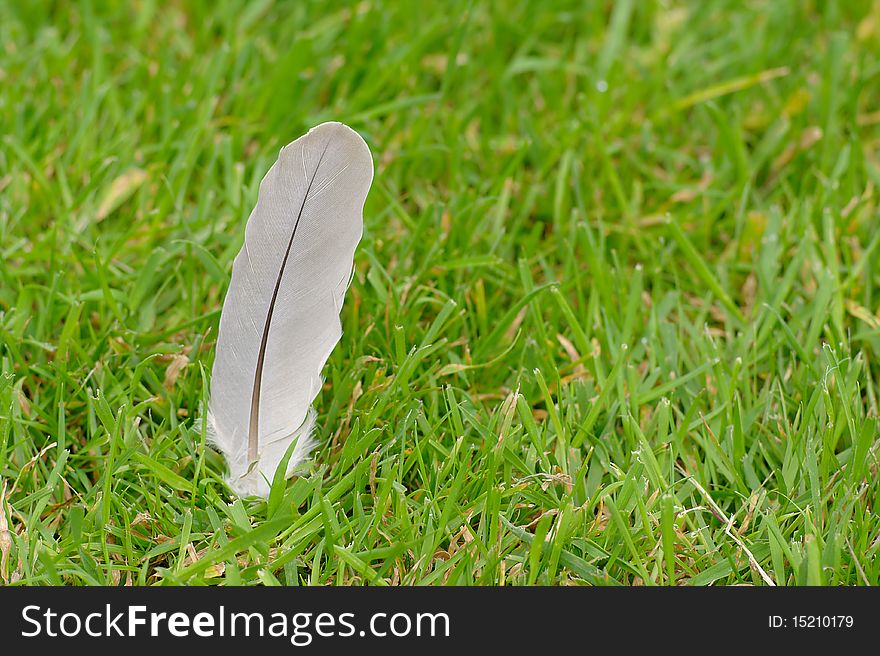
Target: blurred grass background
column 615, row 315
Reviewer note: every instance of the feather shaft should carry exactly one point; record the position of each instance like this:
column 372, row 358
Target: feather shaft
column 254, row 422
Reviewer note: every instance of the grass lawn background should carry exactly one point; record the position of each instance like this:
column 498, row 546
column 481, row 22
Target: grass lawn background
column 614, row 317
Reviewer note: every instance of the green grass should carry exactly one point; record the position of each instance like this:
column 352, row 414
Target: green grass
column 615, row 315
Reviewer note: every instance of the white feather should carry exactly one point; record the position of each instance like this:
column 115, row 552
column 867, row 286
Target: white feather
column 298, row 248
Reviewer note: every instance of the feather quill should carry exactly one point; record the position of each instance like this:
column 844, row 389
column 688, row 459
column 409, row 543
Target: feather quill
column 280, row 319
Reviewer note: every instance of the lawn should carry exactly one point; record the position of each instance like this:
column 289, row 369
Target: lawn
column 614, row 318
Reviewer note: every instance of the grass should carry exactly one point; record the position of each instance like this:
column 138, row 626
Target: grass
column 615, row 315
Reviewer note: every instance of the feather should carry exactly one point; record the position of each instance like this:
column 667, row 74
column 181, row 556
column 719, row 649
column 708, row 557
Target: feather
column 280, row 319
